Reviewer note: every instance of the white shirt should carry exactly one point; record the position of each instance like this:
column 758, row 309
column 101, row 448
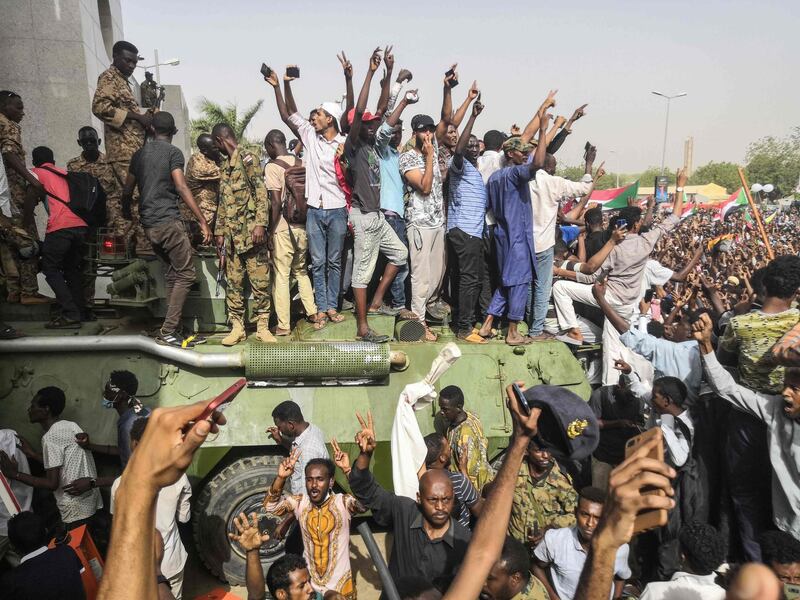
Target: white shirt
column 546, row 193
column 312, row 445
column 59, row 449
column 5, row 192
column 22, row 492
column 676, row 443
column 322, row 187
column 654, row 274
column 562, row 549
column 683, row 586
column 172, row 506
column 489, row 162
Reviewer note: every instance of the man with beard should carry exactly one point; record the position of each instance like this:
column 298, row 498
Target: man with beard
column 428, row 542
column 324, row 519
column 372, row 234
column 559, row 558
column 292, row 431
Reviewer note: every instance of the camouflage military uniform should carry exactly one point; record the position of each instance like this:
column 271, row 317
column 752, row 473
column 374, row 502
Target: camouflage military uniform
column 243, row 206
column 20, row 274
column 101, row 169
column 202, row 177
column 113, row 100
column 549, row 502
column 534, row 591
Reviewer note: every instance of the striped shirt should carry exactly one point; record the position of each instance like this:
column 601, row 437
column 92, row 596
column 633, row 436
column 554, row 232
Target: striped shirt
column 465, row 495
column 466, row 208
column 312, row 445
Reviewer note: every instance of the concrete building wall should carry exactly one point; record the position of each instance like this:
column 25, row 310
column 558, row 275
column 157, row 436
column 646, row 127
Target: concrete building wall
column 52, row 53
column 175, row 103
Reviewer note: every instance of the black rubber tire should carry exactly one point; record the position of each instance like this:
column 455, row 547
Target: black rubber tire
column 239, row 486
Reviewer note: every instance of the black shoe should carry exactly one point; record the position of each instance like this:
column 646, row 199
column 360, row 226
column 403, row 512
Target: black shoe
column 88, row 316
column 373, row 338
column 62, row 323
column 195, row 339
column 173, row 339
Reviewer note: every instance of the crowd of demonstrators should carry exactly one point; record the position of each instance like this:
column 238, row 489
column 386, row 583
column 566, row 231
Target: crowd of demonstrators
column 700, row 345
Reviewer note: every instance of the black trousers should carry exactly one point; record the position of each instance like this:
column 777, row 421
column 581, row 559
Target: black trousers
column 62, row 259
column 489, row 280
column 466, row 268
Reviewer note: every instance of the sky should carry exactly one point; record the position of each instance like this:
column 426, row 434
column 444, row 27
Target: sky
column 738, row 62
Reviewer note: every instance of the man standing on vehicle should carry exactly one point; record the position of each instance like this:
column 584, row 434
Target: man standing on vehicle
column 241, row 229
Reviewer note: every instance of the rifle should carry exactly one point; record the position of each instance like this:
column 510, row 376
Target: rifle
column 221, row 266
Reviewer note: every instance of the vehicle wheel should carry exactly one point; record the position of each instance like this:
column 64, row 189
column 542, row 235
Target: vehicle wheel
column 239, row 487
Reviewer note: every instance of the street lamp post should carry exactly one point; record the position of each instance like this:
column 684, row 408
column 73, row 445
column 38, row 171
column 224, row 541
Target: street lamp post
column 616, row 165
column 172, row 62
column 666, row 124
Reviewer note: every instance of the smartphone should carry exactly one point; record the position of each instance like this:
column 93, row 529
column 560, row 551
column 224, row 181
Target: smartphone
column 587, row 146
column 791, row 591
column 265, row 70
column 293, row 72
column 621, row 223
column 648, row 519
column 521, row 400
column 453, row 82
column 222, row 399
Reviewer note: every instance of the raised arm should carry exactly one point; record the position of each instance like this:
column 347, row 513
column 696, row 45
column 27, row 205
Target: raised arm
column 283, row 109
column 459, row 115
column 248, row 535
column 347, row 69
column 594, row 263
column 680, row 182
column 291, row 105
column 423, row 182
column 363, row 96
column 683, row 273
column 541, row 148
column 463, row 140
column 647, row 220
column 411, row 97
column 450, row 79
column 557, row 125
column 533, row 125
column 386, row 82
column 490, row 532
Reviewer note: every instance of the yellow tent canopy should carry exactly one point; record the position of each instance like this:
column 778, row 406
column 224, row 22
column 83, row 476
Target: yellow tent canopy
column 710, row 192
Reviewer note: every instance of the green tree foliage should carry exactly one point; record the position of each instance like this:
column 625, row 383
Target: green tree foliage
column 609, row 180
column 212, row 113
column 647, row 178
column 725, row 174
column 776, row 161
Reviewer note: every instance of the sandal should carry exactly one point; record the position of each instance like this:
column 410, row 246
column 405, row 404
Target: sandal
column 373, row 338
column 7, row 332
column 335, row 317
column 62, row 323
column 473, row 338
column 429, row 335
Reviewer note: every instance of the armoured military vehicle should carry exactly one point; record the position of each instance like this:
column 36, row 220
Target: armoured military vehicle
column 325, row 372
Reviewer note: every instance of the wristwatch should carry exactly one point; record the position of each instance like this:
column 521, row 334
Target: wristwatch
column 679, row 189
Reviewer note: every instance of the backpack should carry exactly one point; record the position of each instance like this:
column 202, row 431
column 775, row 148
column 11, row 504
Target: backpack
column 87, row 197
column 295, row 206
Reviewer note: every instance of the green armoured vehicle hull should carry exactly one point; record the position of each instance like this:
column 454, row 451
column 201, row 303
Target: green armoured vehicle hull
column 325, row 372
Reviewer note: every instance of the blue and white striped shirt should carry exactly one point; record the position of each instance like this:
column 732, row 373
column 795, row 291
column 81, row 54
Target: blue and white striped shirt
column 466, row 208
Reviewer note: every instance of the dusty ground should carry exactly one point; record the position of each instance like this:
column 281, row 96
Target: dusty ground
column 198, row 582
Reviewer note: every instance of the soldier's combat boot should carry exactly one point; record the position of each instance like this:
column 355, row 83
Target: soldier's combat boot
column 236, row 335
column 263, row 333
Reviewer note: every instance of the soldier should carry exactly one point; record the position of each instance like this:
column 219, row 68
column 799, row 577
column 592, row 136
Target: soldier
column 241, row 228
column 149, row 90
column 94, row 162
column 124, row 127
column 20, row 273
column 202, row 177
column 543, row 498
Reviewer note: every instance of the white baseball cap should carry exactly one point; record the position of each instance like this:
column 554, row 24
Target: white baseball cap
column 334, row 109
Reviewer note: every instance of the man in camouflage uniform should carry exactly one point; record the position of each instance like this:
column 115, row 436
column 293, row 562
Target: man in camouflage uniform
column 20, row 273
column 149, row 90
column 202, row 177
column 543, row 498
column 241, row 227
column 94, row 162
column 124, row 129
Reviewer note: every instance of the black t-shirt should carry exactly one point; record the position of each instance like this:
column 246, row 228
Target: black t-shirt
column 606, row 406
column 364, row 167
column 152, row 165
column 52, row 575
column 594, row 242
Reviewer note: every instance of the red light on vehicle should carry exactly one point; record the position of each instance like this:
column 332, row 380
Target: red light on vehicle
column 108, row 244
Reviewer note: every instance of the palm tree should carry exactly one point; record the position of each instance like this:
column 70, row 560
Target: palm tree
column 213, row 113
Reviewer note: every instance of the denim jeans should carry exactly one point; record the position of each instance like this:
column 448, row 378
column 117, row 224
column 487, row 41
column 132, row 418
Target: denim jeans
column 540, row 292
column 62, row 261
column 398, row 288
column 326, row 228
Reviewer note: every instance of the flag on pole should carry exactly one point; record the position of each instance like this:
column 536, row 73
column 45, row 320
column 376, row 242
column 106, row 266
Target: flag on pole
column 734, row 202
column 615, row 198
column 688, row 210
